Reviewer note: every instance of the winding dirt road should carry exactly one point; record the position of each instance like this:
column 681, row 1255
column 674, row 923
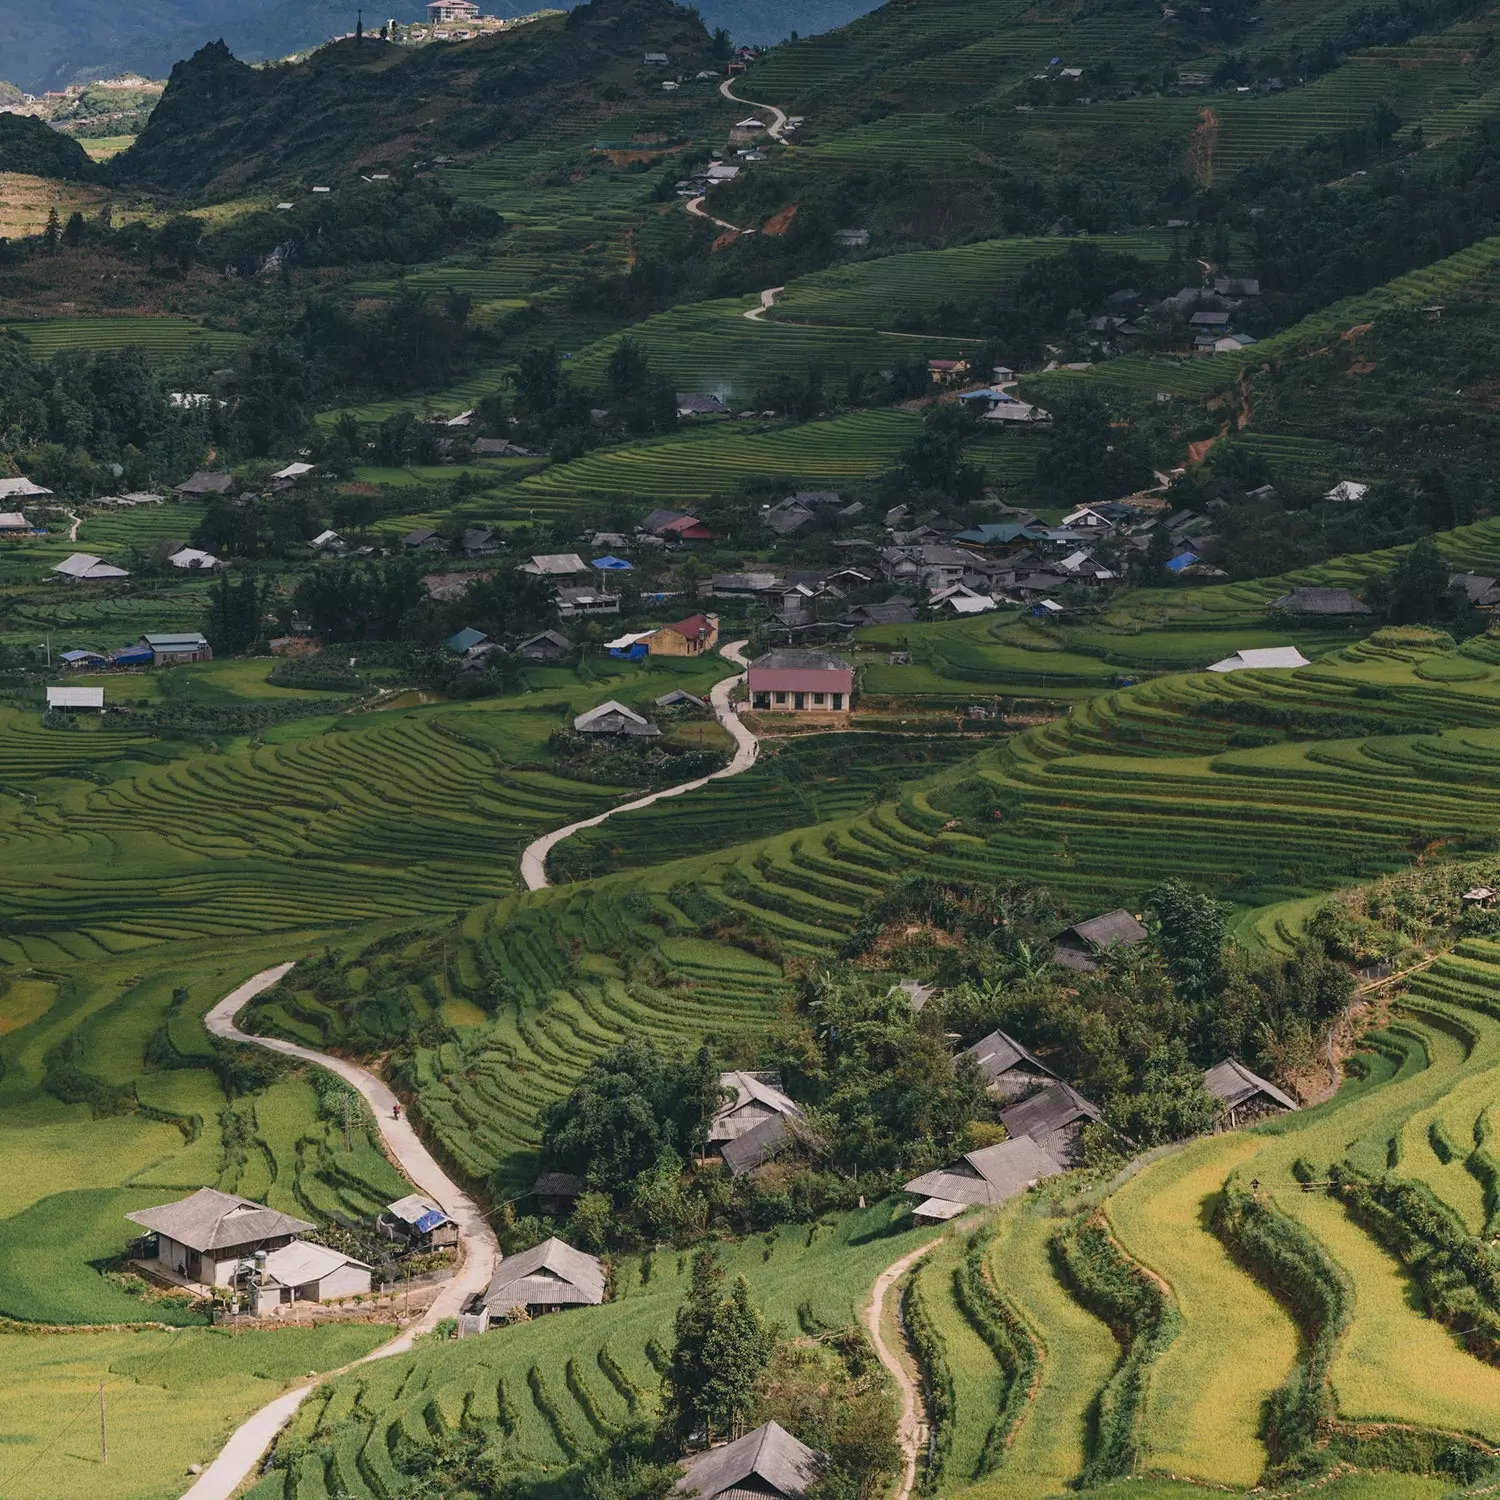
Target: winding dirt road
column 695, row 207
column 481, row 1253
column 534, row 856
column 911, row 1429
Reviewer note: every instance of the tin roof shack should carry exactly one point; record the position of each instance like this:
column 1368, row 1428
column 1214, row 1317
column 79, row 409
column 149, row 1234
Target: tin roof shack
column 84, row 567
column 76, row 699
column 1079, row 946
column 766, row 1464
column 1009, row 1069
column 550, row 645
column 300, row 1272
column 544, row 1279
column 1054, row 1120
column 207, row 1237
column 990, row 1175
column 1319, row 601
column 814, row 683
column 1246, row 1096
column 204, row 482
column 419, row 1223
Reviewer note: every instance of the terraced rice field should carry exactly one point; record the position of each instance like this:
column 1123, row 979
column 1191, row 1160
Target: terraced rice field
column 717, row 459
column 165, row 338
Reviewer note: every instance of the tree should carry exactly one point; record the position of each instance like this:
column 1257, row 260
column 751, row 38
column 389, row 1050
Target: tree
column 1193, row 929
column 630, row 1107
column 1417, row 591
column 539, row 380
column 723, row 45
column 723, row 1347
column 1086, row 457
column 76, row 230
column 52, row 234
column 233, row 622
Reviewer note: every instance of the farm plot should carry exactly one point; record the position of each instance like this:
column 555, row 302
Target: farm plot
column 546, row 1392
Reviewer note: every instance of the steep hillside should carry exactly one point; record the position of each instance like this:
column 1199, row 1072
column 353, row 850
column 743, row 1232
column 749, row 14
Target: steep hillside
column 222, row 126
column 30, row 146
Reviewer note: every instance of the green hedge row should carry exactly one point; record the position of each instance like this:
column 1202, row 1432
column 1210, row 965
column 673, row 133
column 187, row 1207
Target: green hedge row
column 1010, row 1341
column 930, row 1353
column 1144, row 1320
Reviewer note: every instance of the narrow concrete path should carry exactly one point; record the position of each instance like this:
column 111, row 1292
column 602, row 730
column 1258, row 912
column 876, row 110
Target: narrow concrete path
column 776, row 129
column 695, row 207
column 534, row 856
column 767, row 302
column 239, row 1457
column 911, row 1428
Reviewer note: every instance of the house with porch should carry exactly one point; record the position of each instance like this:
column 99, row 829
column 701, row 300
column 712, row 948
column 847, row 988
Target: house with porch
column 801, row 682
column 544, row 1279
column 208, row 1237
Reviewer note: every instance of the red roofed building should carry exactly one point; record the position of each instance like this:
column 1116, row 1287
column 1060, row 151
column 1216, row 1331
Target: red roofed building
column 690, row 637
column 801, row 682
column 688, row 529
column 947, row 371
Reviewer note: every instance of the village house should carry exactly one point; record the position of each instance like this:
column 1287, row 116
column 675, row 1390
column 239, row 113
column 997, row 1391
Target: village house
column 467, row 639
column 209, row 1237
column 897, row 611
column 544, row 1279
column 556, row 565
column 990, row 1175
column 84, row 567
column 421, row 537
column 548, row 646
column 1481, row 591
column 329, row 542
column 1008, row 1068
column 690, row 404
column 614, row 718
column 586, row 600
column 1054, row 1119
column 947, row 371
column 1079, row 946
column 13, row 523
column 478, row 541
column 749, row 1126
column 1347, row 491
column 555, row 1192
column 690, row 637
column 204, row 483
column 172, row 650
column 21, row 489
column 801, row 682
column 766, row 1464
column 1320, row 601
column 1246, row 1096
column 449, row 12
column 192, row 560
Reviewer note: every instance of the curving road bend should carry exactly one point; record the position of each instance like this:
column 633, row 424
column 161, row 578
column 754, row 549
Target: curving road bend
column 481, row 1253
column 777, row 128
column 767, row 302
column 911, row 1429
column 534, row 856
column 695, row 207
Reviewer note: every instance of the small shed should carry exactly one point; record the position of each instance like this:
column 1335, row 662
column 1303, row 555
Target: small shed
column 1262, row 659
column 1246, row 1096
column 420, row 1222
column 303, row 1272
column 549, row 646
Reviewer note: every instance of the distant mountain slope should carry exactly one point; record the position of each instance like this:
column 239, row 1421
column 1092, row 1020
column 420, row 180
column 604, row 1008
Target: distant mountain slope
column 222, row 127
column 66, row 41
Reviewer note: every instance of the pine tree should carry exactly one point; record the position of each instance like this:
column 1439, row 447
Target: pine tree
column 723, row 1348
column 52, row 234
column 359, row 28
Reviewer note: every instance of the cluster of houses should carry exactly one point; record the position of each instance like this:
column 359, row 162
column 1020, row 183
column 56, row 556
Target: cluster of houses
column 1205, row 313
column 165, row 649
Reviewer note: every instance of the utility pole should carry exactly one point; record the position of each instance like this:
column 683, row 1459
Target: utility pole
column 103, row 1429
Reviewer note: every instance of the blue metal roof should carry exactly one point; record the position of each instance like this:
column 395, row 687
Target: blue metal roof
column 465, row 640
column 1181, row 561
column 613, row 564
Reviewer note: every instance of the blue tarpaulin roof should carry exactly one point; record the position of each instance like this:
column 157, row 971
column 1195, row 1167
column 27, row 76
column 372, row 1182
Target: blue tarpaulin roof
column 1181, row 561
column 131, row 655
column 613, row 564
column 430, row 1221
